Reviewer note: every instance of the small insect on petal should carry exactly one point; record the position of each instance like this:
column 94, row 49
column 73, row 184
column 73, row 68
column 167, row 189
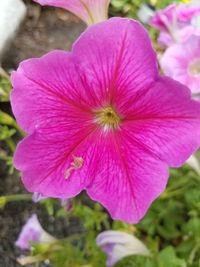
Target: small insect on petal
column 76, row 164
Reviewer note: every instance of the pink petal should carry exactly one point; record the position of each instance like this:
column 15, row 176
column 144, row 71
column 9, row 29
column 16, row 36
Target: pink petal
column 163, row 18
column 165, row 122
column 187, row 12
column 45, row 156
column 90, row 11
column 176, row 60
column 116, row 47
column 165, row 39
column 125, row 178
column 46, row 82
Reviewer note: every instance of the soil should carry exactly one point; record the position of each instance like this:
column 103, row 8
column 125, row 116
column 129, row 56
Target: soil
column 43, row 30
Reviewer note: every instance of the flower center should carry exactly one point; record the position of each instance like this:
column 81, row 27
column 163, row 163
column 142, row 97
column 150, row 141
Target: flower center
column 194, row 67
column 107, row 117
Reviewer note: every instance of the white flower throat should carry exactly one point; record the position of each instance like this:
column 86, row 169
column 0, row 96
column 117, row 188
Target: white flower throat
column 107, row 117
column 194, row 67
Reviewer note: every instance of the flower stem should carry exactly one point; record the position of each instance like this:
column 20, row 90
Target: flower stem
column 18, row 197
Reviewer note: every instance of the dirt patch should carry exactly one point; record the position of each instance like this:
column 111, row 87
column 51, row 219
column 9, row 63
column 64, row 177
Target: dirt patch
column 44, row 29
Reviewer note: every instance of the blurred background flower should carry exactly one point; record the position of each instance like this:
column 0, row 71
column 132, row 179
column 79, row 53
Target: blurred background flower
column 90, row 11
column 118, row 245
column 176, row 23
column 32, row 231
column 181, row 61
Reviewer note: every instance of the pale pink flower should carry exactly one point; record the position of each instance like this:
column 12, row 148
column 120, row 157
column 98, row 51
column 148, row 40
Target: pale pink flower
column 90, row 11
column 164, row 18
column 186, row 12
column 167, row 39
column 196, row 25
column 176, row 23
column 32, row 231
column 117, row 245
column 182, row 63
column 101, row 119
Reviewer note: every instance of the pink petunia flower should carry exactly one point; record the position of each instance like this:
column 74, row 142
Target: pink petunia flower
column 117, row 245
column 101, row 119
column 33, row 231
column 176, row 23
column 90, row 11
column 182, row 63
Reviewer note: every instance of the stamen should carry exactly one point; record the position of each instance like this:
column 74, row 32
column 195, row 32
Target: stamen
column 107, row 117
column 76, row 164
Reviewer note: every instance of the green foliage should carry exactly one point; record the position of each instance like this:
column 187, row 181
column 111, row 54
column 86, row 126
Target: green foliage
column 134, row 261
column 93, row 217
column 170, row 230
column 129, row 8
column 167, row 257
column 5, row 88
column 8, row 126
column 17, row 197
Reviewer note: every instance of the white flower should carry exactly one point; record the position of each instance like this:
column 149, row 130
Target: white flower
column 33, row 231
column 118, row 245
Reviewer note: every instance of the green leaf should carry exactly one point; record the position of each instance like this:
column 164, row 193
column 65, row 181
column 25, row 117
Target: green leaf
column 3, row 201
column 5, row 87
column 192, row 198
column 6, row 133
column 6, row 119
column 135, row 261
column 192, row 228
column 39, row 248
column 167, row 257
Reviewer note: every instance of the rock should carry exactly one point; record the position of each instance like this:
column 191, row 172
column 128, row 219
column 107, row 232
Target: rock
column 12, row 12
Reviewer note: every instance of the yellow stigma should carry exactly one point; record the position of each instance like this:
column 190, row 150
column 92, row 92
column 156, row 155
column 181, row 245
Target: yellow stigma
column 107, row 117
column 194, row 67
